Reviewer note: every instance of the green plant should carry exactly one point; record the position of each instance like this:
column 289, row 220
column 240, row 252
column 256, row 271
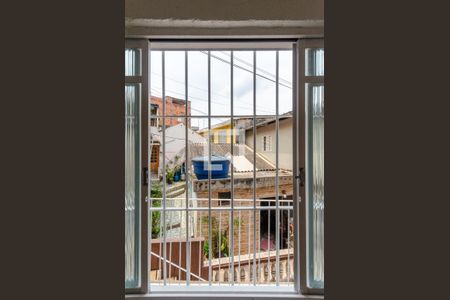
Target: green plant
column 219, row 241
column 237, row 222
column 155, row 192
column 169, row 174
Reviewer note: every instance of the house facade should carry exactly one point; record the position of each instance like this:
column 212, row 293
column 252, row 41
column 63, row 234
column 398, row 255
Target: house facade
column 266, row 140
column 174, row 107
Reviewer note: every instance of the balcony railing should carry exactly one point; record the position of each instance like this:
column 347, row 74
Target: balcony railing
column 242, row 267
column 265, row 266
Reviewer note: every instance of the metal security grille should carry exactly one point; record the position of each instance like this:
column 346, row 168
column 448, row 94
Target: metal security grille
column 221, row 205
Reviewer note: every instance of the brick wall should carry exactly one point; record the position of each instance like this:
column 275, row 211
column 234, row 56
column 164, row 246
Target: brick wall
column 174, row 106
column 243, row 189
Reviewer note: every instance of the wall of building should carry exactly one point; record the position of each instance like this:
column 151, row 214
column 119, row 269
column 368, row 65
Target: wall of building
column 243, row 189
column 285, row 154
column 206, row 17
column 173, row 107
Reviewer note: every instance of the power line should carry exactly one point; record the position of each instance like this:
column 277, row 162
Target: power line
column 242, row 68
column 259, row 69
column 205, row 100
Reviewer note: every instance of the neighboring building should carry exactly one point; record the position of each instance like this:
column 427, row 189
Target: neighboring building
column 243, row 169
column 174, row 107
column 220, row 190
column 175, row 146
column 155, row 146
column 221, row 133
column 266, row 139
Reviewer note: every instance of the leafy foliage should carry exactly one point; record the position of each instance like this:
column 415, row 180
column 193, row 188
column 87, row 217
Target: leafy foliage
column 155, row 192
column 219, row 240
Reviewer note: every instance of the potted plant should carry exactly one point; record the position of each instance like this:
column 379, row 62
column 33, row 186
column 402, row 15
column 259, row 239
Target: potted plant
column 156, row 192
column 169, row 175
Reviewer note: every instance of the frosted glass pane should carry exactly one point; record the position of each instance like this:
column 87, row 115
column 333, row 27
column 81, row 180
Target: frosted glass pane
column 314, row 62
column 132, row 191
column 132, row 62
column 316, row 185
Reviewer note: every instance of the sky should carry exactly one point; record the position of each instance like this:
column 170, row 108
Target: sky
column 221, row 82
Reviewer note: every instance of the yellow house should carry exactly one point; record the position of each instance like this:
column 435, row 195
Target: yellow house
column 220, row 133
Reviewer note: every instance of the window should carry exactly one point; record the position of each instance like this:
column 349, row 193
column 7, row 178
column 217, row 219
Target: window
column 223, row 211
column 311, row 88
column 223, row 136
column 267, row 143
column 136, row 152
column 224, row 195
column 154, row 110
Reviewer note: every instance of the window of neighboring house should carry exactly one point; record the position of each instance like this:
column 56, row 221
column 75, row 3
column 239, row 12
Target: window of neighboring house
column 267, row 143
column 221, row 216
column 223, row 136
column 154, row 110
column 240, row 136
column 224, row 198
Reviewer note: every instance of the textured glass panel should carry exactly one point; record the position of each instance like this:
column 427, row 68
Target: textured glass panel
column 132, row 185
column 132, row 62
column 316, row 185
column 314, row 62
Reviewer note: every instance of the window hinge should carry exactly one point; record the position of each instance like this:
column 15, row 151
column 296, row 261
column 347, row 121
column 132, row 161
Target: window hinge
column 145, row 176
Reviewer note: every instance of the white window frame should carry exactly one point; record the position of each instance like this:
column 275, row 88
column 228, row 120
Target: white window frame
column 303, row 159
column 258, row 292
column 143, row 80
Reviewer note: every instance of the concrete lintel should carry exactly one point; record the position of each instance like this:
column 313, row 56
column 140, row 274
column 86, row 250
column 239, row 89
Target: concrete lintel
column 247, row 32
column 230, row 10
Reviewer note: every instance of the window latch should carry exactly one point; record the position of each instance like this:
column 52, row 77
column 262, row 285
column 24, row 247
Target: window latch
column 145, row 176
column 301, row 176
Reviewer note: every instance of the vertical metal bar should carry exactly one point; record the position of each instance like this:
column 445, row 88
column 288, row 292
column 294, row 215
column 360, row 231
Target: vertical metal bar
column 170, row 244
column 164, row 164
column 269, row 266
column 232, row 167
column 149, row 187
column 200, row 257
column 248, row 241
column 209, row 170
column 186, row 166
column 259, row 253
column 239, row 245
column 220, row 239
column 254, row 167
column 277, row 137
column 179, row 248
column 289, row 255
